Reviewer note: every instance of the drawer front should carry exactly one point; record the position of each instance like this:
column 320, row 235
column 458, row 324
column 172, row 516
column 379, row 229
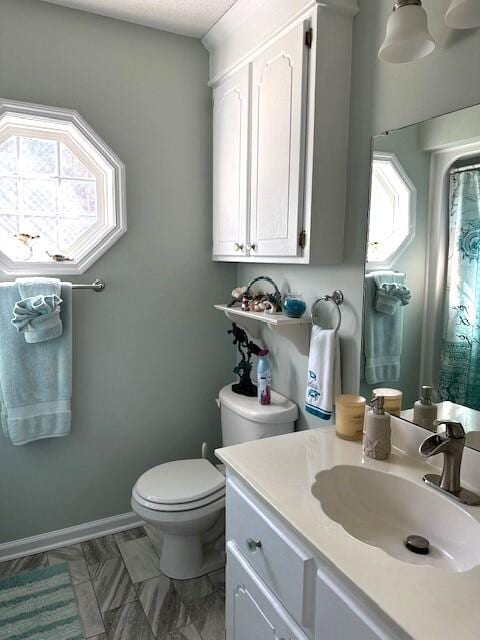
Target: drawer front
column 287, row 570
column 252, row 612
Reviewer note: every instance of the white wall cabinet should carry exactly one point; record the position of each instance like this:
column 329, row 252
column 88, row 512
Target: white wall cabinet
column 230, row 149
column 281, row 87
column 278, row 589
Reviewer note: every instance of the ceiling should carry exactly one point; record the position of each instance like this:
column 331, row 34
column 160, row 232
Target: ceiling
column 186, row 17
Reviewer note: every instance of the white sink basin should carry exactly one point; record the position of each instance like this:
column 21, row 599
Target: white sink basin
column 382, row 509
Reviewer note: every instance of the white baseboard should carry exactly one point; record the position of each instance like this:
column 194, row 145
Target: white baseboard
column 70, row 535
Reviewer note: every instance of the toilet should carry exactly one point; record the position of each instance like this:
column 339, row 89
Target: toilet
column 185, row 499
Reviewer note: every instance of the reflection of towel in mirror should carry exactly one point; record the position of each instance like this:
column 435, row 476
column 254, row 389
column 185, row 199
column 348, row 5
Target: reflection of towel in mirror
column 385, row 297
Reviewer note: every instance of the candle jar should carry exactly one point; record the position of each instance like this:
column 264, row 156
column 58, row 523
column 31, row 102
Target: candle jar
column 294, row 305
column 393, row 400
column 349, row 416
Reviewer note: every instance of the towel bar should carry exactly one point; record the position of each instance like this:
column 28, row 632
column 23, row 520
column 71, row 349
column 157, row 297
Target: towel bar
column 97, row 285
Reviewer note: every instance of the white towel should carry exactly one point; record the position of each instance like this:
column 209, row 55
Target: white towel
column 324, row 375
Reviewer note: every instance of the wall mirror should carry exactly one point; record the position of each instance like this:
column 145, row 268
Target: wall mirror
column 421, row 325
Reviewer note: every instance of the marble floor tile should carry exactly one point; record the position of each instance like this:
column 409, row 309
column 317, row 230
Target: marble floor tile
column 129, row 534
column 140, row 558
column 163, row 605
column 128, row 623
column 208, row 615
column 73, row 556
column 100, row 549
column 156, row 537
column 112, row 584
column 27, row 563
column 195, row 588
column 218, row 577
column 89, row 611
column 186, row 633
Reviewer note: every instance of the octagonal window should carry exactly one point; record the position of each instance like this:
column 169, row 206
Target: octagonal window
column 62, row 199
column 392, row 211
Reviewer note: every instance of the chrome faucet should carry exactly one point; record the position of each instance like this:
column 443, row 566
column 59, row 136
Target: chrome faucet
column 451, row 443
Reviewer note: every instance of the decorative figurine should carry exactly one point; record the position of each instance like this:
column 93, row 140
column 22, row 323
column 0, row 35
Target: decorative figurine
column 246, row 349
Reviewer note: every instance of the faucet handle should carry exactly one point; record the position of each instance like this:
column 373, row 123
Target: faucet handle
column 453, row 429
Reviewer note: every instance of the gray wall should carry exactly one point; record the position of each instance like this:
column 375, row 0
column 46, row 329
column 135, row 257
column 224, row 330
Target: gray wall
column 384, row 97
column 141, row 348
column 412, row 261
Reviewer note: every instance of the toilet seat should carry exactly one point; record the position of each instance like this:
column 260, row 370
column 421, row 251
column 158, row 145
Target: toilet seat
column 183, row 506
column 182, row 485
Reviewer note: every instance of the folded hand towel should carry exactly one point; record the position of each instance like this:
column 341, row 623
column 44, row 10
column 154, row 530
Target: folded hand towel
column 38, row 318
column 324, row 376
column 385, row 297
column 35, row 379
column 37, row 313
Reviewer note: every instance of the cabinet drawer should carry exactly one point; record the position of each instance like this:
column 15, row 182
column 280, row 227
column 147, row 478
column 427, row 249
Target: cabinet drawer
column 252, row 612
column 286, row 568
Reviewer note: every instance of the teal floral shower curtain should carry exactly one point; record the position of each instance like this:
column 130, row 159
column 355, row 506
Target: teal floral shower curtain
column 459, row 379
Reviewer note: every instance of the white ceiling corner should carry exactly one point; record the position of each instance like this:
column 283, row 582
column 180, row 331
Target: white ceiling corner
column 185, row 17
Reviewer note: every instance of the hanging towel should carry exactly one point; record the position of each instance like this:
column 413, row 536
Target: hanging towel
column 37, row 313
column 385, row 297
column 324, row 375
column 35, row 378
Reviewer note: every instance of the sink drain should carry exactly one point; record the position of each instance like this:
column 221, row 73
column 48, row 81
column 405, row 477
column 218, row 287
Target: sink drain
column 418, row 544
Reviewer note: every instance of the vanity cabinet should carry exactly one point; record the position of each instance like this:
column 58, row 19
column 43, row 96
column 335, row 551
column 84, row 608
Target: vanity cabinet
column 279, row 589
column 281, row 86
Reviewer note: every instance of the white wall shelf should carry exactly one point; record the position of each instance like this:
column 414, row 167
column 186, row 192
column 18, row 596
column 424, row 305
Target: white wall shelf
column 297, row 330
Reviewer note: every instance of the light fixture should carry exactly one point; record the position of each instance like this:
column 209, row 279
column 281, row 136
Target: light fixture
column 463, row 14
column 407, row 37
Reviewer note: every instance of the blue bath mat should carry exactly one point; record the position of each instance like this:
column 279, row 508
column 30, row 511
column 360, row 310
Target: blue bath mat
column 39, row 605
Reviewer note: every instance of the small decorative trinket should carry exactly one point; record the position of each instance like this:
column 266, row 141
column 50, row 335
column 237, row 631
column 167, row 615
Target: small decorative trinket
column 58, row 257
column 246, row 348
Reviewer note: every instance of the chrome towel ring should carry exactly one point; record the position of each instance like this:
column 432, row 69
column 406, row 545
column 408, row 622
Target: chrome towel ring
column 337, row 298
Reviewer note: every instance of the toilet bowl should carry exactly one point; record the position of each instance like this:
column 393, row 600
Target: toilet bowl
column 185, row 499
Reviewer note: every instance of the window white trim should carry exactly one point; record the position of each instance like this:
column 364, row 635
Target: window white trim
column 66, row 124
column 392, row 159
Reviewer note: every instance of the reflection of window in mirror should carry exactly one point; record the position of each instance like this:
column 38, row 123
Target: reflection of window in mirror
column 392, row 211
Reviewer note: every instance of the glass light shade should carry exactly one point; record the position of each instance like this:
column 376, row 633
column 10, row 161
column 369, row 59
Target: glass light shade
column 463, row 14
column 407, row 37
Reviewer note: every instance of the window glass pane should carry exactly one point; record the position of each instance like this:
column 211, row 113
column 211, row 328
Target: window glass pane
column 46, row 228
column 8, row 156
column 40, row 195
column 71, row 166
column 8, row 194
column 8, row 225
column 38, row 156
column 78, row 198
column 70, row 229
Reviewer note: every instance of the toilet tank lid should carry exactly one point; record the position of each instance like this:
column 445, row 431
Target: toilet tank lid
column 280, row 410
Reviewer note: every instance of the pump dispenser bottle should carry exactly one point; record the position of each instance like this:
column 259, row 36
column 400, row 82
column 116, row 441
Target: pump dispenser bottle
column 377, row 431
column 424, row 410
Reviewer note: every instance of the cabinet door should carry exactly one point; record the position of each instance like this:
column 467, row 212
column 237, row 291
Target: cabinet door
column 346, row 613
column 230, row 164
column 279, row 81
column 252, row 612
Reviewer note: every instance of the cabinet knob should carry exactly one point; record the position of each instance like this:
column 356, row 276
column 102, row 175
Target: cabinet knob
column 251, row 247
column 238, row 247
column 253, row 545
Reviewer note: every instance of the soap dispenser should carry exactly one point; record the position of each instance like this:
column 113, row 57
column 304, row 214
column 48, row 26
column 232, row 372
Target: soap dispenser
column 377, row 431
column 424, row 410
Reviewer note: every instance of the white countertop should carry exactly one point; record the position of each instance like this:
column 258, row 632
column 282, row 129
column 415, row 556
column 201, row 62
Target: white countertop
column 428, row 603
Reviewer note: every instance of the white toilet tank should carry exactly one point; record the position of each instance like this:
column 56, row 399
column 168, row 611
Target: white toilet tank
column 245, row 419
